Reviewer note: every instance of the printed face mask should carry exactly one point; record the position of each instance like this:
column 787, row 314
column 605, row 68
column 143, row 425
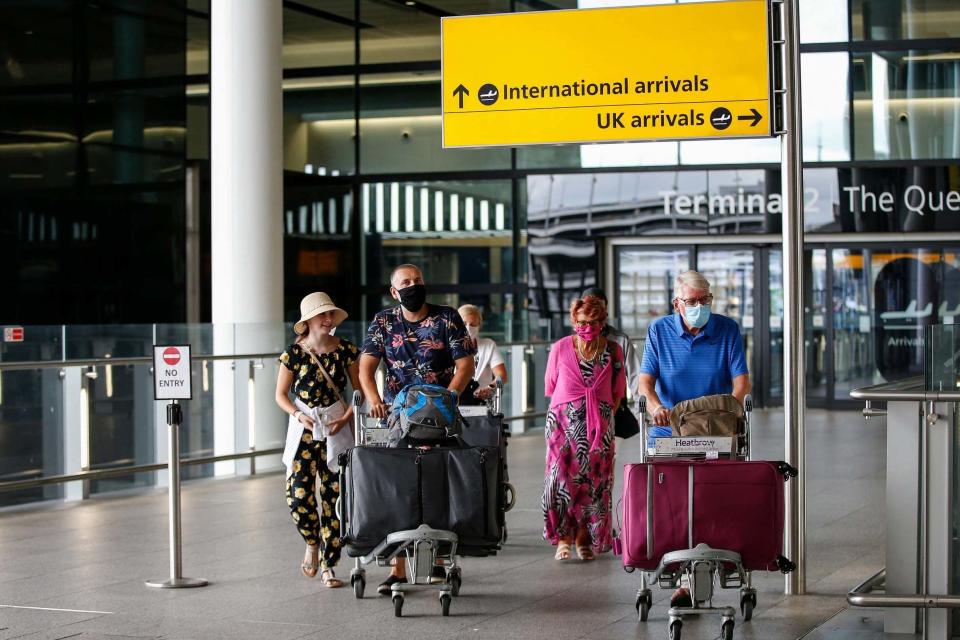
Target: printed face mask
column 588, row 332
column 697, row 316
column 413, row 297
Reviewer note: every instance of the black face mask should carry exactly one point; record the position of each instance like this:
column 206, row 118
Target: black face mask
column 413, row 297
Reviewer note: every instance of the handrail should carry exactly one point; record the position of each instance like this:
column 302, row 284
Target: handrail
column 906, row 389
column 862, row 596
column 28, row 365
column 102, row 362
column 98, row 474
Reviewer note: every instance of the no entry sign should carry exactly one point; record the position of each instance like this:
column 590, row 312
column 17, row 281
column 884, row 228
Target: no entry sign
column 171, row 372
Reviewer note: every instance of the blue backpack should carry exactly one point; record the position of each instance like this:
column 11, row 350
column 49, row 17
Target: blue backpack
column 424, row 414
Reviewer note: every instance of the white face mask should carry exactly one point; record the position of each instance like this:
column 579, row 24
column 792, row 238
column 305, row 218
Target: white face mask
column 474, row 332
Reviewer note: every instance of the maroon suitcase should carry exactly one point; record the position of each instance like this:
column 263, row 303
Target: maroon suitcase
column 678, row 504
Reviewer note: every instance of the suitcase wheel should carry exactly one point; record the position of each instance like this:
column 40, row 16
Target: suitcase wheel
column 445, row 599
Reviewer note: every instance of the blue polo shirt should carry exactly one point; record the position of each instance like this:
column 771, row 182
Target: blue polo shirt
column 690, row 366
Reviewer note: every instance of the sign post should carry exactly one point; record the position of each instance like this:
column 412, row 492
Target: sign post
column 171, row 375
column 794, row 382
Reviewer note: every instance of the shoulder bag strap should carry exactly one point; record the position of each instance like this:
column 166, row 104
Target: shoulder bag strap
column 327, row 377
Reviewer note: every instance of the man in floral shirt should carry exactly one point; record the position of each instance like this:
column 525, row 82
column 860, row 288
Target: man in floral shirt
column 420, row 343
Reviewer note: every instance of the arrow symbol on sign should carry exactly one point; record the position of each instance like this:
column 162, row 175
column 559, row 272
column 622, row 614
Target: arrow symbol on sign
column 461, row 91
column 755, row 116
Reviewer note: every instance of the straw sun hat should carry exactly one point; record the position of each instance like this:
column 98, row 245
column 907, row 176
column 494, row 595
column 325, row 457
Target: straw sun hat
column 315, row 304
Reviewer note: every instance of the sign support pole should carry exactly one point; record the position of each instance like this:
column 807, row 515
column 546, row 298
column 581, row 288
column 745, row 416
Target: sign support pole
column 794, row 387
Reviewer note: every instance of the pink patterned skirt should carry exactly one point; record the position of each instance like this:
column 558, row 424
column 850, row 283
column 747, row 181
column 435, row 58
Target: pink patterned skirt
column 578, row 482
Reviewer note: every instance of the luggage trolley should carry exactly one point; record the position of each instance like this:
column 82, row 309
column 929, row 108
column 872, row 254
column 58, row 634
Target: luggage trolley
column 421, row 548
column 703, row 566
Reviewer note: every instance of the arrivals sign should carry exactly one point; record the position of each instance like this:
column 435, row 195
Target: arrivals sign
column 171, row 372
column 663, row 72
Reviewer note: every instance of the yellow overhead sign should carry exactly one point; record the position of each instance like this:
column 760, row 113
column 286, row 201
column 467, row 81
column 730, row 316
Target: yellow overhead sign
column 662, row 72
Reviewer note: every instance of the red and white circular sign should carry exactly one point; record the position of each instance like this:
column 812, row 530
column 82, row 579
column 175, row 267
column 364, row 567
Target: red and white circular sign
column 171, row 355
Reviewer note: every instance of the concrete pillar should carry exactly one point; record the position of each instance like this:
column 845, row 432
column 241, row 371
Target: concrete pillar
column 246, row 161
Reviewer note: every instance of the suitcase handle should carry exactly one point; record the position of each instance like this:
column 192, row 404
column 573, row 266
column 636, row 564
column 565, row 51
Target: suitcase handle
column 509, row 504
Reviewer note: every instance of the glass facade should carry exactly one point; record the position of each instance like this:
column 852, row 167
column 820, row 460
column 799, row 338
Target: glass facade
column 102, row 122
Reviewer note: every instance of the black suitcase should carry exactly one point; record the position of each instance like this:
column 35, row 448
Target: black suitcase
column 387, row 490
column 487, row 430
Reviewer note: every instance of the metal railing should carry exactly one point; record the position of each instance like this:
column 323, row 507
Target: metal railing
column 909, row 390
column 524, row 408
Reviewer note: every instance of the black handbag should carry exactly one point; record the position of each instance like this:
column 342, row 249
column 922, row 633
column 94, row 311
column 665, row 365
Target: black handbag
column 625, row 424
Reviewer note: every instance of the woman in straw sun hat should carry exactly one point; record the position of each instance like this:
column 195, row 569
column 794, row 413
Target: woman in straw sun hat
column 316, row 368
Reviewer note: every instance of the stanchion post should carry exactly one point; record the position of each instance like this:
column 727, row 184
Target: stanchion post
column 171, row 372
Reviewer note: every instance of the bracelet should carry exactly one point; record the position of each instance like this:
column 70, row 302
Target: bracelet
column 295, row 414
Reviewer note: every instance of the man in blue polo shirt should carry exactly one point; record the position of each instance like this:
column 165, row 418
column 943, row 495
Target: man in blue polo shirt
column 690, row 354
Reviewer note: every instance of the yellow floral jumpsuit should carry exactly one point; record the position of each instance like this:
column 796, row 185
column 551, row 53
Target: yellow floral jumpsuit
column 317, row 525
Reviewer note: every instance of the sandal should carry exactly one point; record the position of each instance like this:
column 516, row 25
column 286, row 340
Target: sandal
column 331, row 581
column 585, row 553
column 309, row 569
column 563, row 551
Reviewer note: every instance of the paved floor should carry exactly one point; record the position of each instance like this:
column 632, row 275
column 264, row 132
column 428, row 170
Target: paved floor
column 77, row 571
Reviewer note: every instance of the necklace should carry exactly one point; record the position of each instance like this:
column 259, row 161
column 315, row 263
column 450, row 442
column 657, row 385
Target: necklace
column 582, row 348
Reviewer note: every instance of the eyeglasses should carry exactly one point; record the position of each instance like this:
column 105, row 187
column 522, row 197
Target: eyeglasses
column 692, row 302
column 586, row 323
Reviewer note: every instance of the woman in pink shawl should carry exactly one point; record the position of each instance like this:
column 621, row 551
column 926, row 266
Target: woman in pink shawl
column 585, row 381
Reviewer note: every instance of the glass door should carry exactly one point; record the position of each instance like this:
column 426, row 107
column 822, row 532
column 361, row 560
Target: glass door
column 731, row 276
column 644, row 285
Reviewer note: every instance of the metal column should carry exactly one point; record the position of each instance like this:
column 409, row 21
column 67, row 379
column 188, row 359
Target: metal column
column 793, row 352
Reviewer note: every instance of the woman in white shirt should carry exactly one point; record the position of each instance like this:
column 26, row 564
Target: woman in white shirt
column 489, row 362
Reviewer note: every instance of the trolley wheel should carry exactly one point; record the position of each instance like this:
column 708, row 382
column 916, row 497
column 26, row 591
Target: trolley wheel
column 455, row 581
column 445, row 600
column 503, row 538
column 726, row 630
column 398, row 605
column 642, row 605
column 747, row 604
column 359, row 584
column 675, row 628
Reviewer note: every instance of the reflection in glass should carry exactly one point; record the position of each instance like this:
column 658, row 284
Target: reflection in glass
column 730, row 274
column 645, row 286
column 409, row 31
column 906, row 105
column 775, row 282
column 826, row 108
column 406, row 135
column 318, row 33
column 815, row 324
column 904, row 19
column 823, row 21
column 821, row 201
column 457, row 232
column 318, row 125
column 852, row 343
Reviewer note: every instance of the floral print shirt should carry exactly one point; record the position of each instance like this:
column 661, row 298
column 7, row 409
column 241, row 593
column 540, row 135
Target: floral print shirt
column 309, row 384
column 417, row 352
